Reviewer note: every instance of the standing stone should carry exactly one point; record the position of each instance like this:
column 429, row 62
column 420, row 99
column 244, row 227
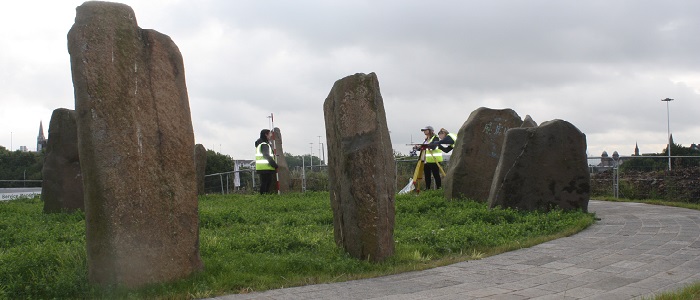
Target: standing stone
column 476, row 153
column 529, row 122
column 542, row 168
column 135, row 143
column 361, row 168
column 62, row 185
column 282, row 166
column 200, row 163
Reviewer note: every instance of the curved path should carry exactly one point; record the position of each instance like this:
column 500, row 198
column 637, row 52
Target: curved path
column 635, row 250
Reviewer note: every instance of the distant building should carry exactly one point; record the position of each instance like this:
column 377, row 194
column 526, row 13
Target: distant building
column 40, row 139
column 606, row 160
column 23, row 148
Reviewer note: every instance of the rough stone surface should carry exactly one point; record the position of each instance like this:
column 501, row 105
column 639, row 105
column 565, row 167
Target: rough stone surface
column 200, row 163
column 361, row 168
column 135, row 143
column 476, row 153
column 542, row 168
column 529, row 122
column 62, row 185
column 282, row 166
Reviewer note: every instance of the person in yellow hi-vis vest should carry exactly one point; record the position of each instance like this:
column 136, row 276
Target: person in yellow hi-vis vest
column 446, row 138
column 265, row 164
column 433, row 157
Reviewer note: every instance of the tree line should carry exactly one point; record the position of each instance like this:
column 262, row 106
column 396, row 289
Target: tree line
column 20, row 165
column 642, row 163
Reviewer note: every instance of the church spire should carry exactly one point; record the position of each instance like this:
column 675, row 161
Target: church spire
column 40, row 139
column 636, row 149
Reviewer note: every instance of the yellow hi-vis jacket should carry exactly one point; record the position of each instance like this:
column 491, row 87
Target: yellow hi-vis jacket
column 454, row 139
column 261, row 163
column 433, row 156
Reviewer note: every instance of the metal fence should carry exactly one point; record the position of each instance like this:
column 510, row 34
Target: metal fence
column 19, row 183
column 309, row 178
column 624, row 177
column 241, row 181
column 621, row 177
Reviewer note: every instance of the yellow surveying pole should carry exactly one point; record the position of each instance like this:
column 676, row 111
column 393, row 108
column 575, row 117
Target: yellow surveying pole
column 418, row 173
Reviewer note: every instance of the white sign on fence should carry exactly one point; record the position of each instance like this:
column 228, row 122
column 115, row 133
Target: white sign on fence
column 16, row 193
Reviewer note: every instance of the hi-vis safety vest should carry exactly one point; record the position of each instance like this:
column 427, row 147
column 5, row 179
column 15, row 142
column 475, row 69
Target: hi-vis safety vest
column 261, row 163
column 454, row 139
column 433, row 156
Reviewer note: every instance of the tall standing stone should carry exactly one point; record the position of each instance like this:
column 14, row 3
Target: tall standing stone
column 62, row 185
column 542, row 168
column 200, row 163
column 135, row 143
column 361, row 168
column 282, row 166
column 476, row 153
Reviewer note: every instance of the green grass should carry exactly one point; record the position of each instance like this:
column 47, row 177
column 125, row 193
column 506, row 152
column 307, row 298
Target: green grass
column 690, row 292
column 253, row 243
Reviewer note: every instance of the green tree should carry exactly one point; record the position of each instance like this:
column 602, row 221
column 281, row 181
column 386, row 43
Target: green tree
column 642, row 163
column 294, row 161
column 20, row 165
column 682, row 162
column 218, row 163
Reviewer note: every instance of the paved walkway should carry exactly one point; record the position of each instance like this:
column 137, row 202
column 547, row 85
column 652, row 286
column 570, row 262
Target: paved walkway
column 635, row 250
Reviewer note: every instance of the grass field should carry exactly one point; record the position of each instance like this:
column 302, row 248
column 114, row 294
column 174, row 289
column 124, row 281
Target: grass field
column 252, row 243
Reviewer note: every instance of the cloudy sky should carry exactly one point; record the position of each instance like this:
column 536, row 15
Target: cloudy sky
column 602, row 65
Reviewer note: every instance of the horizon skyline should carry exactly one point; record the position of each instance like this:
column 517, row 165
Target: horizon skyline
column 589, row 156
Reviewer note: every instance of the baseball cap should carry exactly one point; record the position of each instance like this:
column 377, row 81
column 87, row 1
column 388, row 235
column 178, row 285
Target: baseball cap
column 428, row 128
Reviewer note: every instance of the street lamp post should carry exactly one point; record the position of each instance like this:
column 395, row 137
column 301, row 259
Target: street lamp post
column 319, row 151
column 668, row 126
column 311, row 155
column 323, row 153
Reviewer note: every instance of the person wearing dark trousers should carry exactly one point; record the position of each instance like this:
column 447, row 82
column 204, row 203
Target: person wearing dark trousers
column 265, row 164
column 433, row 157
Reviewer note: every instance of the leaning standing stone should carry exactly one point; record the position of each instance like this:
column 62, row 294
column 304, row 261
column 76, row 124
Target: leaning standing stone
column 282, row 166
column 62, row 185
column 200, row 163
column 542, row 168
column 361, row 168
column 476, row 153
column 135, row 143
